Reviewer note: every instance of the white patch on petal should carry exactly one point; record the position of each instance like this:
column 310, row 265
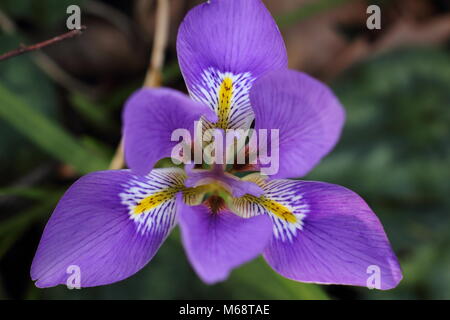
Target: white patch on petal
column 160, row 186
column 240, row 115
column 282, row 195
column 283, row 192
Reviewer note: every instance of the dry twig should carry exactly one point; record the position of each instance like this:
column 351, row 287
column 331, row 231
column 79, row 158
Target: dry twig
column 154, row 72
column 24, row 49
column 153, row 77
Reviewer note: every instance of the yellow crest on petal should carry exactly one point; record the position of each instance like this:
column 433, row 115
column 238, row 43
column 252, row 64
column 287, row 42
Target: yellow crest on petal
column 155, row 200
column 225, row 96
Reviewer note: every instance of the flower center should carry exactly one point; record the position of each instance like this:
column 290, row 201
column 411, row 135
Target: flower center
column 215, row 203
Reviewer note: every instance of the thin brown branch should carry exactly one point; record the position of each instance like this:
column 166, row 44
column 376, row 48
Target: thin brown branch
column 43, row 44
column 46, row 64
column 154, row 72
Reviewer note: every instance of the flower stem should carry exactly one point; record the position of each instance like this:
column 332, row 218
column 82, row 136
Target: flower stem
column 153, row 77
column 154, row 72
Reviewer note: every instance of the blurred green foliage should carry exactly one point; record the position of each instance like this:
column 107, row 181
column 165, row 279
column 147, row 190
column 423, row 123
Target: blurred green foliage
column 35, row 89
column 395, row 152
column 14, row 227
column 45, row 13
column 46, row 134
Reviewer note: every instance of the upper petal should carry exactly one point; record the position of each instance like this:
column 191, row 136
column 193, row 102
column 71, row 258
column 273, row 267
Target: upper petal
column 323, row 233
column 109, row 224
column 217, row 242
column 223, row 46
column 150, row 118
column 307, row 115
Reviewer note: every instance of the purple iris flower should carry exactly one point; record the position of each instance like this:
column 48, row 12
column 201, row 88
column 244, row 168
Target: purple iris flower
column 110, row 224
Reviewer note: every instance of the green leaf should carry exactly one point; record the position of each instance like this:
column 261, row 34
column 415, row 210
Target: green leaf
column 35, row 89
column 46, row 134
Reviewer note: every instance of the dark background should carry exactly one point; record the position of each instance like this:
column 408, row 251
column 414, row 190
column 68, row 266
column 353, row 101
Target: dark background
column 60, row 118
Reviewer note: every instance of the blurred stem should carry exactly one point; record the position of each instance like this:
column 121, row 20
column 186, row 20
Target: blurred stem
column 153, row 77
column 154, row 71
column 118, row 160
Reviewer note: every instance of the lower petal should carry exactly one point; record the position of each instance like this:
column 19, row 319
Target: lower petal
column 323, row 233
column 104, row 227
column 217, row 242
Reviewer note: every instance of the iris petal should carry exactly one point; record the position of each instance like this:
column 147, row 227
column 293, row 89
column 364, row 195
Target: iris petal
column 223, row 46
column 150, row 118
column 217, row 242
column 307, row 115
column 335, row 237
column 105, row 226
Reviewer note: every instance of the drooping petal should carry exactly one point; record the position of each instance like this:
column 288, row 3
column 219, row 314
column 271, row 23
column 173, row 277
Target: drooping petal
column 236, row 186
column 223, row 46
column 150, row 118
column 307, row 114
column 323, row 233
column 217, row 242
column 109, row 224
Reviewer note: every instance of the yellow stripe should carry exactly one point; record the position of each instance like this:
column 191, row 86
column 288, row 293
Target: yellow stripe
column 279, row 210
column 225, row 95
column 275, row 207
column 191, row 196
column 155, row 200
